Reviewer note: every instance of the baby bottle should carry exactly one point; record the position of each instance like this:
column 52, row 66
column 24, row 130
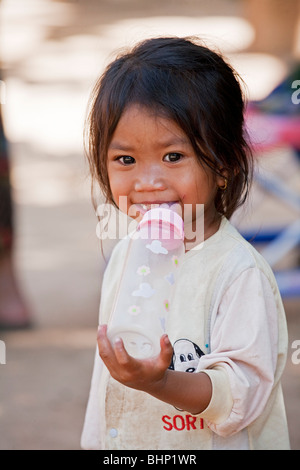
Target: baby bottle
column 145, row 291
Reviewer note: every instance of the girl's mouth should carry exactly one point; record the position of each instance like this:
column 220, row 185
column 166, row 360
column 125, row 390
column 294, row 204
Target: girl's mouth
column 146, row 206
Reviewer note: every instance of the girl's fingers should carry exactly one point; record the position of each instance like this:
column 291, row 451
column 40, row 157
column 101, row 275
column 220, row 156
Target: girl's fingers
column 104, row 347
column 112, row 355
column 166, row 351
column 122, row 356
column 139, row 374
column 102, row 330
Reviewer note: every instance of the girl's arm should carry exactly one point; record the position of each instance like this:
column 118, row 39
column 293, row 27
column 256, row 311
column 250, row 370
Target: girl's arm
column 190, row 392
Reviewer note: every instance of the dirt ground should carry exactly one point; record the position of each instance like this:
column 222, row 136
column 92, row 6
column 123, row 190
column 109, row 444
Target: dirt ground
column 54, row 52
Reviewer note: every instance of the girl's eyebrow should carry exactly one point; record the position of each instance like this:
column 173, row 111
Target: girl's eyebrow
column 116, row 145
column 120, row 146
column 176, row 140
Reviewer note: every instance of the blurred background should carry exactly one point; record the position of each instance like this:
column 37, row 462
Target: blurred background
column 51, row 53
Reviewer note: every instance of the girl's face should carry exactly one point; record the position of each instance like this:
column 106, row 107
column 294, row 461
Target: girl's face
column 151, row 161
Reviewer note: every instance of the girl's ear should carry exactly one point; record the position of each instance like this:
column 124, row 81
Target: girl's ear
column 222, row 179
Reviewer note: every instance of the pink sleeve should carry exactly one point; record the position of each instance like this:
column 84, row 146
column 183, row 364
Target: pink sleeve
column 243, row 355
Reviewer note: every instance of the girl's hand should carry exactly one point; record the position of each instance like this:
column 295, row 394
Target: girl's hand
column 147, row 375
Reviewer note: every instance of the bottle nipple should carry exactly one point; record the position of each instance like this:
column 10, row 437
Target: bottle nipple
column 163, row 224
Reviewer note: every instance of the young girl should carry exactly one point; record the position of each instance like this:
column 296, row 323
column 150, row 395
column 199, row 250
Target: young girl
column 166, row 126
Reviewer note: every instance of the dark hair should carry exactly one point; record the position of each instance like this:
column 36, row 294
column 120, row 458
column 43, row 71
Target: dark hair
column 189, row 83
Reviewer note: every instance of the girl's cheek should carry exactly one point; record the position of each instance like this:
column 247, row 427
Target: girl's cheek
column 125, row 207
column 123, row 204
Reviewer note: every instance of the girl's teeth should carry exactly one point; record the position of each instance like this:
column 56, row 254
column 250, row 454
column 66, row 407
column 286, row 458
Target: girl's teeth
column 147, row 207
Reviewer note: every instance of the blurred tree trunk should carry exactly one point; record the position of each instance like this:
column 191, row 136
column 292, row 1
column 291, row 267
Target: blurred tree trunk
column 276, row 24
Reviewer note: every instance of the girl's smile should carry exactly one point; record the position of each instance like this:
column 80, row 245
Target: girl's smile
column 151, row 161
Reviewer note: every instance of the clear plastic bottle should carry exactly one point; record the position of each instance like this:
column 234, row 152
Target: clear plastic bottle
column 149, row 275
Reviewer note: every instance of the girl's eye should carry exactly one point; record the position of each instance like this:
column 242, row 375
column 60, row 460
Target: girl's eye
column 173, row 157
column 126, row 160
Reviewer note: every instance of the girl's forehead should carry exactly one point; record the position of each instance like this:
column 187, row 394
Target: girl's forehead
column 151, row 111
column 141, row 125
column 136, row 117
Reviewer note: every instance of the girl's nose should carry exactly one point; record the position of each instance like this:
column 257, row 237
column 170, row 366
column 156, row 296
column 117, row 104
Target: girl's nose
column 149, row 180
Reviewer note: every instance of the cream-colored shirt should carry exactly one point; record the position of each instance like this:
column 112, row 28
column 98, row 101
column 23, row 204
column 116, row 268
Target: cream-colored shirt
column 227, row 320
